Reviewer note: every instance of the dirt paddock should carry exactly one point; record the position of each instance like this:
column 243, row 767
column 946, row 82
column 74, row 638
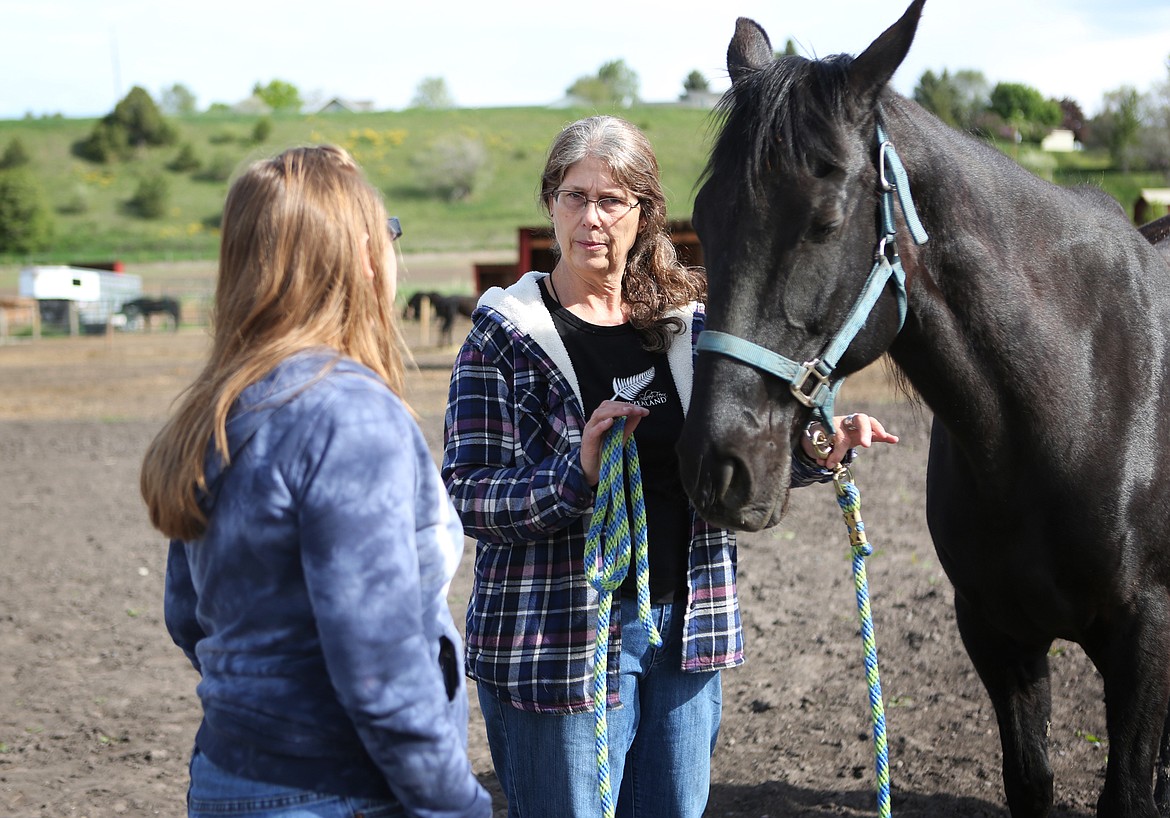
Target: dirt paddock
column 98, row 709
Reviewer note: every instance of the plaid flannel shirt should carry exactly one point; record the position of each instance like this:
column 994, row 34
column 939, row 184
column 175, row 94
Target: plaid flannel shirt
column 512, row 433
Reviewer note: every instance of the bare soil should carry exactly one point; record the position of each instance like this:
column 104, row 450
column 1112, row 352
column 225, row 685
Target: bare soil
column 98, row 708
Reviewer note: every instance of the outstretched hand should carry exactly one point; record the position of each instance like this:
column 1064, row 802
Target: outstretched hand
column 599, row 423
column 852, row 430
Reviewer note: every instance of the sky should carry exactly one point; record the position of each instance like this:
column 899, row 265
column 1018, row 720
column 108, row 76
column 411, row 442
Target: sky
column 79, row 57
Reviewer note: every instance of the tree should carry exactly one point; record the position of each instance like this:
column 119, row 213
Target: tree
column 789, row 49
column 957, row 100
column 974, row 96
column 938, row 95
column 26, row 223
column 615, row 84
column 141, row 119
column 1025, row 108
column 135, row 122
column 432, row 92
column 1072, row 118
column 278, row 95
column 696, row 82
column 177, row 99
column 1118, row 124
column 1154, row 137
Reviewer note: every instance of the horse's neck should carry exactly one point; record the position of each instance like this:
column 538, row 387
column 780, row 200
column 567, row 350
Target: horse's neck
column 1006, row 297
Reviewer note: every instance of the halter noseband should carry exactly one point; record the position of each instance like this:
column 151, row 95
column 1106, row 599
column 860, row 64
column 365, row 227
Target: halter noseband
column 811, row 382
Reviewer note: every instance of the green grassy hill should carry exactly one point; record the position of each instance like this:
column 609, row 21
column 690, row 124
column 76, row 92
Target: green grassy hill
column 92, row 221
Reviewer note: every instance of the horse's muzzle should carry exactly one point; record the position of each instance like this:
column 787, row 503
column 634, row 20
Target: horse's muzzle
column 723, row 491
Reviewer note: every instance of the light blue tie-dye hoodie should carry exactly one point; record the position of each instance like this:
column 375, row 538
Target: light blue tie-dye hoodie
column 315, row 605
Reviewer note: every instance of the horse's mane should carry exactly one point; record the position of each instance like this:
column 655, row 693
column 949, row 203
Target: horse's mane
column 781, row 113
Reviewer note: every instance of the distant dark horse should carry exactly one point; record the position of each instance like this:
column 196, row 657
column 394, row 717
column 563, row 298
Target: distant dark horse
column 1158, row 232
column 147, row 308
column 1037, row 329
column 446, row 308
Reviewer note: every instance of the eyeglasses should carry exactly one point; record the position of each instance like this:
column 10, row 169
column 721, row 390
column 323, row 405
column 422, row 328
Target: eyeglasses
column 611, row 207
column 394, row 227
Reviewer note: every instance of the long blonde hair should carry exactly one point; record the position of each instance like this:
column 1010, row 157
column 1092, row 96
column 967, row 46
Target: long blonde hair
column 292, row 276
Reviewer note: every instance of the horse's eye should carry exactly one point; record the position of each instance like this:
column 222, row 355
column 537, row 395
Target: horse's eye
column 820, row 231
column 823, row 168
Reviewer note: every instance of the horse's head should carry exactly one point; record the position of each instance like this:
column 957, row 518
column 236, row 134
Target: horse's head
column 788, row 219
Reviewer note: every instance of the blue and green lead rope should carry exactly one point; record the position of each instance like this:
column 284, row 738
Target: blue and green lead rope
column 849, row 499
column 610, row 543
column 608, row 547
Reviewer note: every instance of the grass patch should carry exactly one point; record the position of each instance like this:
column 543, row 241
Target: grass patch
column 93, row 220
column 89, row 200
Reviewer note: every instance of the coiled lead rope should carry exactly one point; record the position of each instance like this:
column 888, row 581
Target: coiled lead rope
column 608, row 548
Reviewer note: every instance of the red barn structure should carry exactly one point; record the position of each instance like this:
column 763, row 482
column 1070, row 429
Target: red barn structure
column 535, row 252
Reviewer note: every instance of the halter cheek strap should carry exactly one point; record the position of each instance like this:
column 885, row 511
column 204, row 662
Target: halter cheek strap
column 812, row 382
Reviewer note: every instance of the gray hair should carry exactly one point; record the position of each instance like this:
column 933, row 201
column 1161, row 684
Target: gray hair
column 655, row 281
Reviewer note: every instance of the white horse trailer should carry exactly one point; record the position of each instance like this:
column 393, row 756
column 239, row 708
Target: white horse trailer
column 84, row 299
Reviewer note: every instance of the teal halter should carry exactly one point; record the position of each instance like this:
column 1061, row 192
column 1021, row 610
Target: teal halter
column 812, row 382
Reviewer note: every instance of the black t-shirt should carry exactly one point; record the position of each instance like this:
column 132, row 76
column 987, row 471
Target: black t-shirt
column 600, row 354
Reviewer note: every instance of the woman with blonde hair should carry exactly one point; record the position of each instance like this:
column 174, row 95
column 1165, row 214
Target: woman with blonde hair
column 312, row 542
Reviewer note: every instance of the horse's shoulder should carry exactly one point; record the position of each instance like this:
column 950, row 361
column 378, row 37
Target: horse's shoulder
column 1094, row 194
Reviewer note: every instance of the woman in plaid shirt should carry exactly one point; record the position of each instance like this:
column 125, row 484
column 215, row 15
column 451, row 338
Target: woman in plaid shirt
column 528, row 409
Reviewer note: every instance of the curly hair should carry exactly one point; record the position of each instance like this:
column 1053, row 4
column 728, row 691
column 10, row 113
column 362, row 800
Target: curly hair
column 655, row 281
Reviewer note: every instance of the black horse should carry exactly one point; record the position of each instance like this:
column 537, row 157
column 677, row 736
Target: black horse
column 1036, row 328
column 146, row 308
column 413, row 309
column 446, row 309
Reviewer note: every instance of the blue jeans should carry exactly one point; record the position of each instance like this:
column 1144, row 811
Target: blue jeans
column 216, row 793
column 660, row 739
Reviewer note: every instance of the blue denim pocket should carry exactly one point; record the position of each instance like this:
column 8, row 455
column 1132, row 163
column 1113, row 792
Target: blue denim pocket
column 217, row 793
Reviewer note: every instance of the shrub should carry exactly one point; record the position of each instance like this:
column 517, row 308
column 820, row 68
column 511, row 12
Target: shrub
column 185, row 160
column 219, row 169
column 151, row 197
column 15, row 155
column 104, row 144
column 77, row 203
column 262, row 130
column 26, row 223
column 452, row 167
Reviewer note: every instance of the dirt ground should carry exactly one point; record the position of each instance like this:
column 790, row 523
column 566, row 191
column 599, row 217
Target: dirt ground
column 98, row 708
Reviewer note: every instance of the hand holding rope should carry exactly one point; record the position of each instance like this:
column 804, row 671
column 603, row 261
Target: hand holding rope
column 609, row 546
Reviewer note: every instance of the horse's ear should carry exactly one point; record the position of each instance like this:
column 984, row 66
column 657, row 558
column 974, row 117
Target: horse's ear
column 750, row 49
column 870, row 72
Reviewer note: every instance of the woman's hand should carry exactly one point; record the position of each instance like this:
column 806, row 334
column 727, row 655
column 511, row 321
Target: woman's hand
column 852, row 430
column 600, row 422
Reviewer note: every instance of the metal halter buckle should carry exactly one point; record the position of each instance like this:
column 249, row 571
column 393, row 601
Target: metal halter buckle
column 882, row 180
column 808, row 370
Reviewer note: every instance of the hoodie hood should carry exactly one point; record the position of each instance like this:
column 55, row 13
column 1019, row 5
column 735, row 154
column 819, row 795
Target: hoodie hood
column 259, row 402
column 522, row 305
